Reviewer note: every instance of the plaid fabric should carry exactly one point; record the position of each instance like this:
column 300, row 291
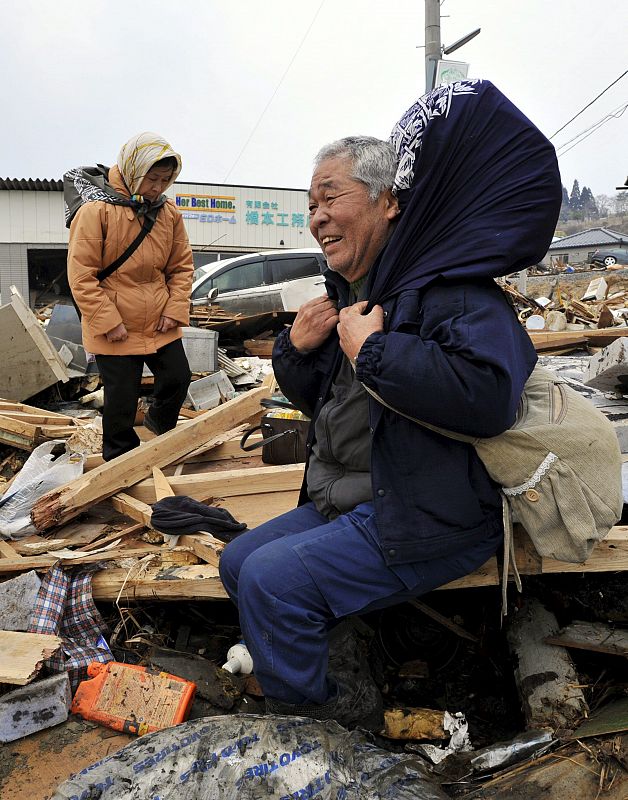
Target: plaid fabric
column 65, row 607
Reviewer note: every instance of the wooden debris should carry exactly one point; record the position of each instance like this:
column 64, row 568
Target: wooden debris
column 594, row 636
column 227, row 483
column 67, row 502
column 22, row 655
column 608, row 369
column 25, row 427
column 31, row 363
column 204, row 546
column 545, row 675
column 414, row 723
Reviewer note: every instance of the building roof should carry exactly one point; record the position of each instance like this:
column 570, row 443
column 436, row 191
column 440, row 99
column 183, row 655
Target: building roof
column 31, row 184
column 593, row 237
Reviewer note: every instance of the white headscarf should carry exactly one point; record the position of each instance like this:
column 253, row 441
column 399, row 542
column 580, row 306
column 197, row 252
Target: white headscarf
column 139, row 154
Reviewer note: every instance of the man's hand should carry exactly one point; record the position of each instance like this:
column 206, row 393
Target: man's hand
column 315, row 320
column 117, row 334
column 354, row 328
column 166, row 324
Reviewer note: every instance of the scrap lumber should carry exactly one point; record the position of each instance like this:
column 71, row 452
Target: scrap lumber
column 227, row 483
column 204, row 546
column 31, row 363
column 26, row 430
column 44, row 562
column 607, row 370
column 593, row 636
column 602, row 337
column 546, row 678
column 180, row 583
column 162, row 487
column 136, row 509
column 22, row 655
column 65, row 503
column 125, row 533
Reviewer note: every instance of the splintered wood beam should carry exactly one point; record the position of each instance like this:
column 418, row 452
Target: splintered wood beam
column 180, row 583
column 204, row 546
column 227, row 483
column 161, row 484
column 125, row 504
column 67, row 502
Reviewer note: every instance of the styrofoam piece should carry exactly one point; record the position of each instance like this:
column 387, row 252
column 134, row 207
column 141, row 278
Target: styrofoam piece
column 211, row 391
column 33, row 707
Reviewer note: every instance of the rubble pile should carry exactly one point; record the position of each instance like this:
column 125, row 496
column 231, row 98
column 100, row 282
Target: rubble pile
column 90, row 586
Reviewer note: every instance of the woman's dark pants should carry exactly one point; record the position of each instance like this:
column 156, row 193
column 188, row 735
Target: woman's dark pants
column 122, row 379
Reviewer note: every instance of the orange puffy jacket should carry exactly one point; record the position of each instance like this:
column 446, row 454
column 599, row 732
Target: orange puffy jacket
column 156, row 280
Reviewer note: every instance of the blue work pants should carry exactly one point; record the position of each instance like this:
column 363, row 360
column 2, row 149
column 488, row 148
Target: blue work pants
column 296, row 576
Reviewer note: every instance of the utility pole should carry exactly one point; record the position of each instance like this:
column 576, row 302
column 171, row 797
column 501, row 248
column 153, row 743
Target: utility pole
column 432, row 42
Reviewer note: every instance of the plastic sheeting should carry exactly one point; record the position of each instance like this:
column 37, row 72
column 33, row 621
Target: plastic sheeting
column 40, row 474
column 246, row 757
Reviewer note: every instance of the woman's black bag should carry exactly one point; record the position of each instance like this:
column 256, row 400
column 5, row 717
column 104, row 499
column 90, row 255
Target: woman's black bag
column 283, row 440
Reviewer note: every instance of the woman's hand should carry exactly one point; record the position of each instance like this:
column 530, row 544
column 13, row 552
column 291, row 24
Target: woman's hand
column 354, row 328
column 166, row 324
column 117, row 334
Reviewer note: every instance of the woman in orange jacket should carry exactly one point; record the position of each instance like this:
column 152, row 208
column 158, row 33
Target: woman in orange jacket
column 132, row 316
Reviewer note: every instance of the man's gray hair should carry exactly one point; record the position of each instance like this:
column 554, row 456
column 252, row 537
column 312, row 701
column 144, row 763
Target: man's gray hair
column 374, row 162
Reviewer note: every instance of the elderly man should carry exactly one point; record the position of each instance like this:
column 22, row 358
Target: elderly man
column 389, row 509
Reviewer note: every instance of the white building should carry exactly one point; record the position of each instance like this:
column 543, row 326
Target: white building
column 222, row 221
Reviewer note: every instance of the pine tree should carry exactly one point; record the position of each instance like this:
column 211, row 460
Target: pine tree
column 564, row 207
column 574, row 198
column 588, row 204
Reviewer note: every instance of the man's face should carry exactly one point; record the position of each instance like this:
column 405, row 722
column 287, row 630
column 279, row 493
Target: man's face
column 155, row 182
column 350, row 227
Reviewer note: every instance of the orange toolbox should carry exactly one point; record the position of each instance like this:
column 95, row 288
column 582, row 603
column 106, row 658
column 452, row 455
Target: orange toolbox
column 133, row 699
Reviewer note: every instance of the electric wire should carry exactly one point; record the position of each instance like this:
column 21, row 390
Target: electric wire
column 589, row 104
column 272, row 97
column 561, row 151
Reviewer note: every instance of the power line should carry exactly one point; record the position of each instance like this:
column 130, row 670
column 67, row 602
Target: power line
column 616, row 114
column 272, row 97
column 589, row 104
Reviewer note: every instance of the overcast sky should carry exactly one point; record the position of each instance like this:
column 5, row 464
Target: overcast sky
column 247, row 91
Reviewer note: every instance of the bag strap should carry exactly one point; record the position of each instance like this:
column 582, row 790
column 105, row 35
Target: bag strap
column 146, row 229
column 268, row 440
column 460, row 437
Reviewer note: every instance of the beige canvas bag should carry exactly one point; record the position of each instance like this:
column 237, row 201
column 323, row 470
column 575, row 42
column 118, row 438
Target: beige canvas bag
column 559, row 468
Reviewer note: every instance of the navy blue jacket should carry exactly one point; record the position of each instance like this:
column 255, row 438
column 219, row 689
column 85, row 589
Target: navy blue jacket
column 453, row 355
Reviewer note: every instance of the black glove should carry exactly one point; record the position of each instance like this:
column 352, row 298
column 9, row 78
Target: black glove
column 180, row 515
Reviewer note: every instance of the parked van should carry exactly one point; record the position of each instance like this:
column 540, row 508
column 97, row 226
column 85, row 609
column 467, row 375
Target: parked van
column 277, row 280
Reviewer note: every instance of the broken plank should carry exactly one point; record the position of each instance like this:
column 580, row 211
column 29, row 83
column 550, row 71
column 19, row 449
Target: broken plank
column 594, row 636
column 60, row 505
column 183, row 583
column 161, row 484
column 125, row 533
column 204, row 546
column 22, row 655
column 6, row 551
column 20, row 564
column 136, row 509
column 253, row 480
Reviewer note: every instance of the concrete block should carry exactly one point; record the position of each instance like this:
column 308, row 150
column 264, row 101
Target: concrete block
column 17, row 600
column 33, row 707
column 608, row 369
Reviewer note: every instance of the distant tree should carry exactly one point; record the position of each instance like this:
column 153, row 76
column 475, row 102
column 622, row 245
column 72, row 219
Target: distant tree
column 604, row 204
column 587, row 201
column 621, row 203
column 574, row 197
column 564, row 207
